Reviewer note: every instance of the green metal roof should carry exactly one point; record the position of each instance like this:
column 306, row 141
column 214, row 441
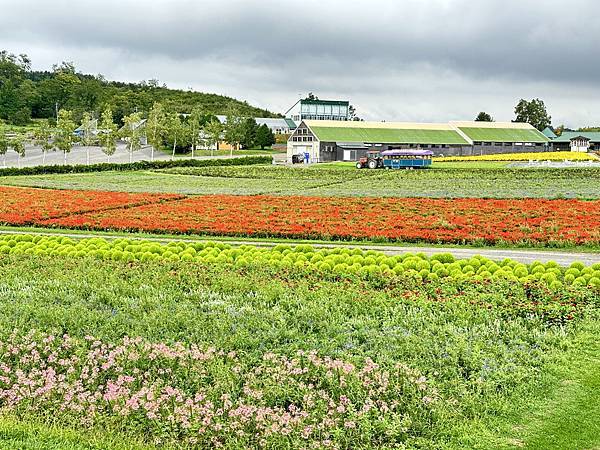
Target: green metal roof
column 325, row 102
column 549, row 133
column 504, row 135
column 291, row 124
column 388, row 135
column 566, row 137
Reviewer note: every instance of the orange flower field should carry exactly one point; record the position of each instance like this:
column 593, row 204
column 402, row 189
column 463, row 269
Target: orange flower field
column 26, row 206
column 398, row 219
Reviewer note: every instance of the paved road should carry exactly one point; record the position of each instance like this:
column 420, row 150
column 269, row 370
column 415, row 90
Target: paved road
column 35, row 157
column 563, row 258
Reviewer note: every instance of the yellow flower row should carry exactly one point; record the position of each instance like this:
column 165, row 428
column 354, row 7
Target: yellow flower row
column 543, row 156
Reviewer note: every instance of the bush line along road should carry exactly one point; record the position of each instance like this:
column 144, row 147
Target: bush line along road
column 129, row 326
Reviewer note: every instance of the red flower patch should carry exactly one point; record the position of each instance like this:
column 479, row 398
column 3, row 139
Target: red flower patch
column 25, row 206
column 402, row 219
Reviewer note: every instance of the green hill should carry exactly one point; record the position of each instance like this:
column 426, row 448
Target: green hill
column 26, row 94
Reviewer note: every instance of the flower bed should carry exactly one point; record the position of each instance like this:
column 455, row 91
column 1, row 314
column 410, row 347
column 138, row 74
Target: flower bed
column 22, row 206
column 400, row 219
column 537, row 156
column 206, row 397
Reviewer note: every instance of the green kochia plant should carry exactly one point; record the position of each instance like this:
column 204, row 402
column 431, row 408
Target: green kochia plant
column 337, row 262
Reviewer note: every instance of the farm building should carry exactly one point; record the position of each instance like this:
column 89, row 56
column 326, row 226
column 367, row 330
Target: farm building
column 80, row 132
column 577, row 141
column 319, row 110
column 277, row 126
column 549, row 133
column 325, row 141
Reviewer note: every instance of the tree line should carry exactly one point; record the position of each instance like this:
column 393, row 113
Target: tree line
column 26, row 94
column 161, row 129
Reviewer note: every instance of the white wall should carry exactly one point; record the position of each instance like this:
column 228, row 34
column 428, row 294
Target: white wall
column 294, row 148
column 580, row 145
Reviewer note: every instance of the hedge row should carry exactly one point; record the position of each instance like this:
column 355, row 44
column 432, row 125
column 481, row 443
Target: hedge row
column 140, row 165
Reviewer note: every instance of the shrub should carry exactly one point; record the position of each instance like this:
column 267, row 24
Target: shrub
column 140, row 165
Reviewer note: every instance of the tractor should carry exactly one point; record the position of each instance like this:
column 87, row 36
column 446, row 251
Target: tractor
column 372, row 160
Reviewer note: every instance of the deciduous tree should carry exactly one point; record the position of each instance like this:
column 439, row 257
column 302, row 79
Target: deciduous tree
column 533, row 112
column 234, row 130
column 43, row 139
column 484, row 117
column 264, row 137
column 174, row 130
column 87, row 137
column 213, row 131
column 107, row 134
column 156, row 128
column 248, row 132
column 17, row 143
column 194, row 125
column 132, row 132
column 3, row 146
column 65, row 138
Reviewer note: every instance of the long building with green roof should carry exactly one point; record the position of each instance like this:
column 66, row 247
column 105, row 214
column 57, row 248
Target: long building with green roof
column 331, row 140
column 578, row 141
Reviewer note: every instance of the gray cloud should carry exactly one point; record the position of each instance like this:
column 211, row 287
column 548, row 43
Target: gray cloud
column 409, row 59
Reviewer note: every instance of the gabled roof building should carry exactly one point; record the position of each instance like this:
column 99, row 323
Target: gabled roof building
column 309, row 109
column 577, row 141
column 348, row 140
column 276, row 125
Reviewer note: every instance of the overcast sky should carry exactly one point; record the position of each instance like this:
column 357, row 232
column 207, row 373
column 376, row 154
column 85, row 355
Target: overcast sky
column 410, row 60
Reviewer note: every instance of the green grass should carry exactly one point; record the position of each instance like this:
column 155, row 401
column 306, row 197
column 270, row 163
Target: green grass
column 337, row 180
column 569, row 419
column 482, row 360
column 148, row 181
column 17, row 434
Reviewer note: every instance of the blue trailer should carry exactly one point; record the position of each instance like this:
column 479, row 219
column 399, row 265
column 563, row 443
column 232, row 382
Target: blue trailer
column 406, row 159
